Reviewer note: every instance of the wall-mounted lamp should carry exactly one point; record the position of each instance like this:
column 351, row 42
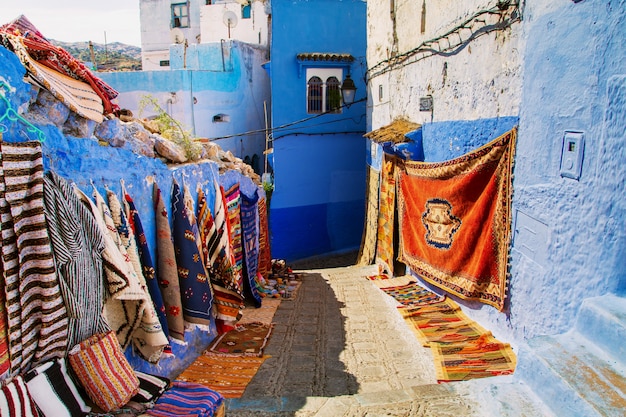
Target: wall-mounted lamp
column 348, row 90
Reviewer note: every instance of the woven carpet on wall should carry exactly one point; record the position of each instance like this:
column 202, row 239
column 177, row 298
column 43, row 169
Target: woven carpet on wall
column 462, row 349
column 454, row 220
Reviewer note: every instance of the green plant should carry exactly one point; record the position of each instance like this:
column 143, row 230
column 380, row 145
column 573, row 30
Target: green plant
column 170, row 128
column 334, row 98
column 268, row 187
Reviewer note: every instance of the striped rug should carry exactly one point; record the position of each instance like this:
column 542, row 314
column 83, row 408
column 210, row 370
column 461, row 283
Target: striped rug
column 480, row 358
column 462, row 349
column 37, row 324
column 228, row 375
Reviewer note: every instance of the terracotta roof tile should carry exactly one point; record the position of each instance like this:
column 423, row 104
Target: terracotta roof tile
column 320, row 56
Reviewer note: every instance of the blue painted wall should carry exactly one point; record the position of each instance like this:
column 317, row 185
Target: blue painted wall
column 204, row 81
column 83, row 161
column 442, row 141
column 317, row 206
column 569, row 239
column 575, row 72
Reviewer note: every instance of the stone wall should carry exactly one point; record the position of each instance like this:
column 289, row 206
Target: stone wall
column 91, row 162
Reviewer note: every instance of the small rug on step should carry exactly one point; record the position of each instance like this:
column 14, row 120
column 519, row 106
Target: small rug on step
column 228, row 375
column 378, row 277
column 263, row 314
column 392, row 282
column 247, row 339
column 413, row 295
column 442, row 322
column 480, row 358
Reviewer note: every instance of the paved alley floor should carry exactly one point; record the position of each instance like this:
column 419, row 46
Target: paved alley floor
column 340, row 348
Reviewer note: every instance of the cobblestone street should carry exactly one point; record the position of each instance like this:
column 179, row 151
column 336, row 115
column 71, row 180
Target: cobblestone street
column 340, row 349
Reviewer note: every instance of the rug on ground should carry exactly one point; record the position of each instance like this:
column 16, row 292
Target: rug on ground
column 263, row 314
column 247, row 339
column 408, row 293
column 228, row 375
column 461, row 348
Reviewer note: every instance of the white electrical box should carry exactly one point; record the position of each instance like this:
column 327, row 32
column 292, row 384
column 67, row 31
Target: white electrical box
column 572, row 154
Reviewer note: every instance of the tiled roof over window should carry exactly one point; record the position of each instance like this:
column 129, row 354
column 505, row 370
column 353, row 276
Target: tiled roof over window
column 326, row 57
column 394, row 132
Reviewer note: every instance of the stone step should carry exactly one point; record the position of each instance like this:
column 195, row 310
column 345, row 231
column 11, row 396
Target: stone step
column 489, row 397
column 573, row 376
column 603, row 321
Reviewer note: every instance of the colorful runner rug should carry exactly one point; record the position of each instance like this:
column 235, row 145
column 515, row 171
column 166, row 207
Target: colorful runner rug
column 265, row 254
column 462, row 349
column 245, row 339
column 232, row 200
column 147, row 264
column 385, row 253
column 196, row 291
column 413, row 295
column 167, row 270
column 263, row 314
column 249, row 213
column 454, row 219
column 480, row 358
column 443, row 323
column 228, row 375
column 228, row 302
column 368, row 240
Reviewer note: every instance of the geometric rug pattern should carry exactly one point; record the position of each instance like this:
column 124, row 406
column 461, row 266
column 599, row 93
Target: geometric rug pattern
column 245, row 339
column 462, row 349
column 234, row 358
column 228, row 375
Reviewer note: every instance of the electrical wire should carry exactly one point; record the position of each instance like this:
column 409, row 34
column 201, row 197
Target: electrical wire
column 428, row 48
column 286, row 125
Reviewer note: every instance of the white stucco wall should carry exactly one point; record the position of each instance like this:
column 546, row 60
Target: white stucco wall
column 561, row 67
column 156, row 36
column 494, row 61
column 253, row 30
column 206, row 26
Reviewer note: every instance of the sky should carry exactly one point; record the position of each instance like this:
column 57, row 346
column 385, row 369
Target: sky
column 79, row 20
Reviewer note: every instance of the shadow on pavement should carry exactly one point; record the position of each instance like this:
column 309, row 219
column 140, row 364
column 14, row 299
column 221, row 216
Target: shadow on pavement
column 305, row 346
column 326, row 261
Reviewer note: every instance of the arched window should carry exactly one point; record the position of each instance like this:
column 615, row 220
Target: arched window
column 333, row 95
column 314, row 95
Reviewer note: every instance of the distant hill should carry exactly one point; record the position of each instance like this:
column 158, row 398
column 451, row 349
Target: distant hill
column 114, row 56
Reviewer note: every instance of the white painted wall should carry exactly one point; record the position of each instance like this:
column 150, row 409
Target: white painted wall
column 151, row 61
column 155, row 20
column 493, row 60
column 206, row 26
column 562, row 67
column 253, row 30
